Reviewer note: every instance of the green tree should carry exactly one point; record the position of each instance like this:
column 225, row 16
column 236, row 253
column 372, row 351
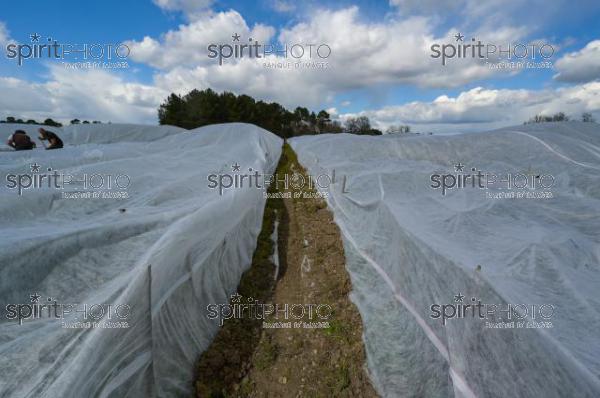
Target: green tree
column 172, row 111
column 50, row 122
column 203, row 107
column 301, row 113
column 587, row 117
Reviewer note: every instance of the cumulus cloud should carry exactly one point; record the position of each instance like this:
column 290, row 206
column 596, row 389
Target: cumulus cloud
column 288, row 87
column 332, row 111
column 580, row 66
column 481, row 108
column 86, row 94
column 23, row 98
column 91, row 94
column 363, row 54
column 187, row 46
column 392, row 51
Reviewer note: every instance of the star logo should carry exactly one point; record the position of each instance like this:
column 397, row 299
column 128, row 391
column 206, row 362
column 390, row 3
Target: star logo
column 236, row 37
column 35, row 37
column 35, row 168
column 459, row 37
column 459, row 167
column 459, row 298
column 235, row 167
column 236, row 298
column 34, row 298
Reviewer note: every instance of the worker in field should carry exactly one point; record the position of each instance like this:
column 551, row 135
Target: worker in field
column 54, row 141
column 20, row 141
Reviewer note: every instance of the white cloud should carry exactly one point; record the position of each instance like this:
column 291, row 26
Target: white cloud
column 394, row 51
column 191, row 8
column 471, row 15
column 283, row 6
column 187, row 46
column 365, row 55
column 100, row 95
column 21, row 98
column 86, row 94
column 580, row 66
column 4, row 35
column 480, row 109
column 288, row 87
column 426, row 6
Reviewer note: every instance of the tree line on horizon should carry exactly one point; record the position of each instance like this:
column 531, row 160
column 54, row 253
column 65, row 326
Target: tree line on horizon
column 203, row 107
column 47, row 122
column 559, row 117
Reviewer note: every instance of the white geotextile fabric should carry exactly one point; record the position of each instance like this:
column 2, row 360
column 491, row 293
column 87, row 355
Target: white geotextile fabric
column 177, row 247
column 408, row 247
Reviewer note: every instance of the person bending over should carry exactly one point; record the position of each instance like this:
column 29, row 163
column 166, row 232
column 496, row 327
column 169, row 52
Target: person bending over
column 20, row 141
column 53, row 140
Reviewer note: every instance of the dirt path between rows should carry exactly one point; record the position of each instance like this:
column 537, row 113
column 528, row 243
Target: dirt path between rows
column 320, row 354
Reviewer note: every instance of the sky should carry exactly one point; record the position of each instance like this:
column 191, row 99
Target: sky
column 379, row 58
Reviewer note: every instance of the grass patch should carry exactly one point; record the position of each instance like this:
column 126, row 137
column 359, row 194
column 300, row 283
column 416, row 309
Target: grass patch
column 337, row 379
column 265, row 354
column 338, row 330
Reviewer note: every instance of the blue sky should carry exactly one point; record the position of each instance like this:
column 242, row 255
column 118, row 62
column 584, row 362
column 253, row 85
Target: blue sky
column 380, row 64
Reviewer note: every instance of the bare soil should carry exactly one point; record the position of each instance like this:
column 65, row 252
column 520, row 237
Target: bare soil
column 247, row 359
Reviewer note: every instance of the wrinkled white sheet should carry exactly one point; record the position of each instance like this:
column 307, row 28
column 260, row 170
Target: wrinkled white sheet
column 408, row 247
column 177, row 247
